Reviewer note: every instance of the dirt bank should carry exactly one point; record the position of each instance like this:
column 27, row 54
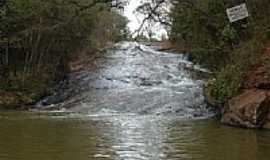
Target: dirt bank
column 167, row 46
column 251, row 108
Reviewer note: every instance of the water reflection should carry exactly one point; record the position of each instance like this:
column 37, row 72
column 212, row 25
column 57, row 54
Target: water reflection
column 139, row 138
column 129, row 137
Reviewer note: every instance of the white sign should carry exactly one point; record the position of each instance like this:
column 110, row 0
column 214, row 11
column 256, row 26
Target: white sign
column 237, row 13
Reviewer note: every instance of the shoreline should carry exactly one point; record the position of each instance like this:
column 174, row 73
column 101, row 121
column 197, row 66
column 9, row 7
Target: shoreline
column 229, row 114
column 252, row 101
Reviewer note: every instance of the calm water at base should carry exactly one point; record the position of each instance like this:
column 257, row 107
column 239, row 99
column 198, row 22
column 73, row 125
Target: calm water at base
column 133, row 103
column 62, row 136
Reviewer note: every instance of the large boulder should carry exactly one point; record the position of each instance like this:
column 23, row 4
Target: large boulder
column 249, row 110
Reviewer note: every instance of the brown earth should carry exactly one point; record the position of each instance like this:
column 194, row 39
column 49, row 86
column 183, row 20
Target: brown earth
column 167, row 46
column 251, row 109
column 84, row 59
column 259, row 76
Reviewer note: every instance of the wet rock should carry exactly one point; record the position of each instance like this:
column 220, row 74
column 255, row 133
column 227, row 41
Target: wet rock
column 249, row 110
column 150, row 83
column 131, row 79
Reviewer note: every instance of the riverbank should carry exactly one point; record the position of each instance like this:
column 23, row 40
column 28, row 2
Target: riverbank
column 251, row 107
column 241, row 90
column 138, row 105
column 25, row 95
column 36, row 47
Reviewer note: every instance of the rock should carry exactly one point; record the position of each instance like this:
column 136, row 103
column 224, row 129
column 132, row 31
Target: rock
column 267, row 123
column 249, row 110
column 207, row 90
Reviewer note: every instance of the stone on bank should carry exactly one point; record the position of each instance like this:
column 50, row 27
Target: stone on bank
column 249, row 110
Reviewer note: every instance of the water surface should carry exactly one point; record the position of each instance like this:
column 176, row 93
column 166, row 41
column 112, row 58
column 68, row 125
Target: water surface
column 131, row 103
column 54, row 136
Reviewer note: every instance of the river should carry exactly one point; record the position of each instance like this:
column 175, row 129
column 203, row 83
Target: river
column 131, row 103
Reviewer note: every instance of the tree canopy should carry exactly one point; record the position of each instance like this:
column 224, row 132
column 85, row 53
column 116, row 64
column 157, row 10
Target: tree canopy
column 38, row 38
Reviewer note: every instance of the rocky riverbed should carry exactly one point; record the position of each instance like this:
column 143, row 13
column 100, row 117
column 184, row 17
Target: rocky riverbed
column 136, row 79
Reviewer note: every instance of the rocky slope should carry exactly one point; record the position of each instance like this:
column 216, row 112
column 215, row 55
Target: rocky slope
column 251, row 109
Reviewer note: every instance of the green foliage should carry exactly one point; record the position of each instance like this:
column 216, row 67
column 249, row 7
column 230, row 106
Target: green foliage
column 203, row 28
column 39, row 38
column 46, row 33
column 229, row 80
column 227, row 84
column 228, row 49
column 229, row 34
column 109, row 26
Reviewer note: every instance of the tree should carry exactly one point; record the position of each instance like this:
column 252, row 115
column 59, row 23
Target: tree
column 43, row 35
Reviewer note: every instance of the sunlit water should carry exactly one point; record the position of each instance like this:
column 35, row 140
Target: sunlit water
column 132, row 104
column 55, row 136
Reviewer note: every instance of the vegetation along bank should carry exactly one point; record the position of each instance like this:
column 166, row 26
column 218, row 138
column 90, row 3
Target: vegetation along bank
column 39, row 39
column 238, row 53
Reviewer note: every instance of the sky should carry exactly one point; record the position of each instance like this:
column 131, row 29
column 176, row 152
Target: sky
column 135, row 19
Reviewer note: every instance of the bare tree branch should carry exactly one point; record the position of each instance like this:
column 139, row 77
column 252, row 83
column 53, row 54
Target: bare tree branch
column 152, row 13
column 157, row 11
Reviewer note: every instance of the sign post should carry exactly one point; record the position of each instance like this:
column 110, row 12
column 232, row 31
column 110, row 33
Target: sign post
column 237, row 13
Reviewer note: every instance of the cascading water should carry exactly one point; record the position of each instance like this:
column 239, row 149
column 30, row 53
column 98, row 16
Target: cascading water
column 131, row 103
column 132, row 78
